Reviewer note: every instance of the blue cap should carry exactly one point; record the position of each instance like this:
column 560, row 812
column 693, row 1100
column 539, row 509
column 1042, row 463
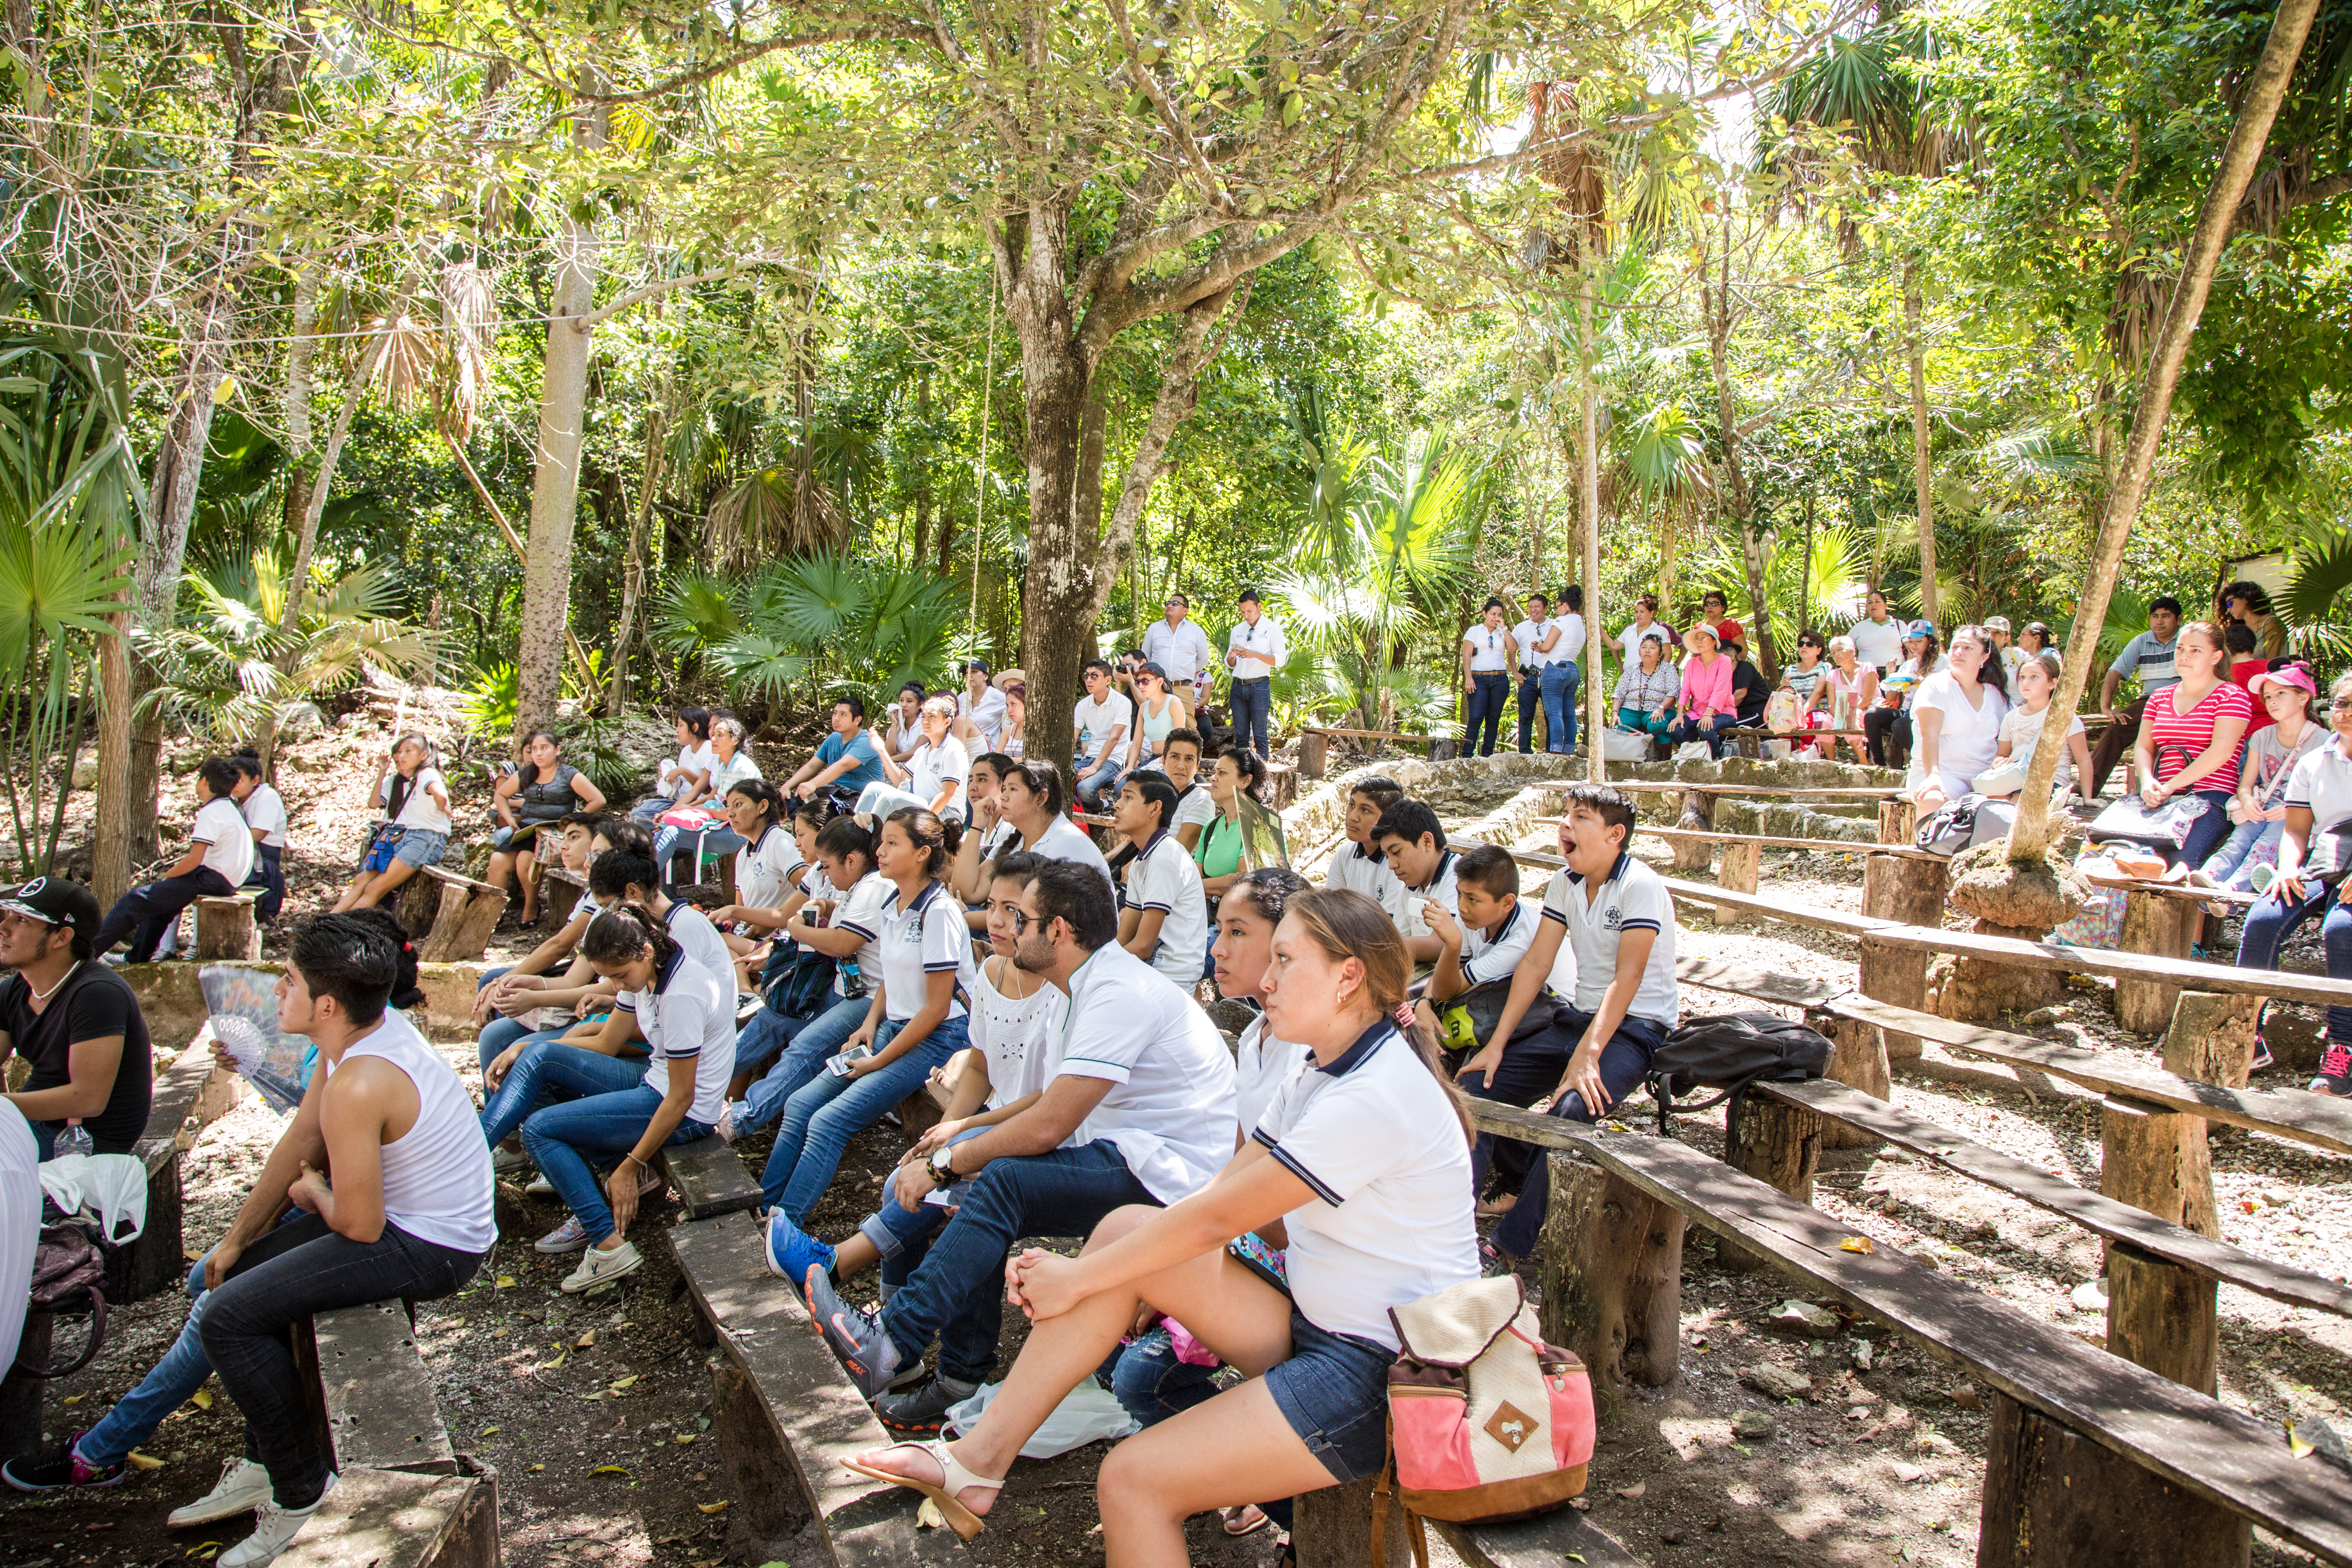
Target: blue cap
column 1921, row 629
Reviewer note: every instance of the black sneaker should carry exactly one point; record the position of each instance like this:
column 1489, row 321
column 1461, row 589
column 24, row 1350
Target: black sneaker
column 58, row 1470
column 2334, row 1072
column 923, row 1409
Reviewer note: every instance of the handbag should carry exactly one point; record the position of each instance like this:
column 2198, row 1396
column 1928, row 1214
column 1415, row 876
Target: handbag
column 797, row 979
column 381, row 835
column 1486, row 1420
column 68, row 1278
column 2163, row 827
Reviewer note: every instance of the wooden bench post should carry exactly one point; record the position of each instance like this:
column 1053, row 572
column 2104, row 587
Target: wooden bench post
column 1698, row 816
column 21, row 1396
column 2161, row 927
column 1857, row 1060
column 1906, row 889
column 2055, row 1499
column 1742, row 864
column 1314, row 751
column 1898, row 822
column 1780, row 1145
column 1332, row 1528
column 1612, row 1260
column 226, row 931
column 775, row 1506
column 2211, row 1038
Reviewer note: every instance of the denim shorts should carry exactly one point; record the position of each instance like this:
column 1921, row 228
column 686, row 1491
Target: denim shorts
column 1334, row 1392
column 420, row 847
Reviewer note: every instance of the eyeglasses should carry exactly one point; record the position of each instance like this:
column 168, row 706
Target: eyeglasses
column 2341, row 704
column 1023, row 919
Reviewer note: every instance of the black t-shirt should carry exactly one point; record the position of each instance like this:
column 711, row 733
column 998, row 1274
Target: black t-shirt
column 93, row 1002
column 1749, row 692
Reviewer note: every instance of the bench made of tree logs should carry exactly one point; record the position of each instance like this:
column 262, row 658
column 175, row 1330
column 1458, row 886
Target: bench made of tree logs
column 450, row 917
column 226, row 931
column 1314, row 746
column 560, row 889
column 197, row 1088
column 1856, row 793
column 2093, row 1460
column 708, row 1178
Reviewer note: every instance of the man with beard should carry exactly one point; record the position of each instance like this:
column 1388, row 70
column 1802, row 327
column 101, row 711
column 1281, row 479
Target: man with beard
column 1140, row 1110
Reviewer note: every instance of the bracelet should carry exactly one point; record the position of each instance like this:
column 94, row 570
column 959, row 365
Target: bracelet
column 632, row 1160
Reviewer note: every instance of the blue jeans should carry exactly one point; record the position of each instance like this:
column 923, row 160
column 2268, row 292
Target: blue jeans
column 1530, row 704
column 825, row 1113
column 807, row 1044
column 2213, row 827
column 957, row 1296
column 894, row 1226
column 145, row 912
column 2232, row 865
column 1709, row 730
column 649, row 810
column 1252, row 705
column 1093, row 777
column 559, row 1137
column 1561, row 681
column 2270, row 922
column 268, row 874
column 1482, row 715
column 548, row 1074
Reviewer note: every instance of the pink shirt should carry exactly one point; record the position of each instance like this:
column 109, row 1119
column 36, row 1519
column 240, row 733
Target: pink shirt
column 1706, row 685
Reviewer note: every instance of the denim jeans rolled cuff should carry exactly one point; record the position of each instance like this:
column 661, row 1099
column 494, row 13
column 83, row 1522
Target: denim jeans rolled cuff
column 893, row 1225
column 1624, row 1062
column 298, row 1270
column 561, row 1138
column 1560, row 683
column 548, row 1073
column 2232, row 865
column 808, row 1044
column 830, row 1109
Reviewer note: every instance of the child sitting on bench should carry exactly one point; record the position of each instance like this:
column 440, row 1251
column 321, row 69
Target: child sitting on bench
column 219, row 856
column 1414, row 841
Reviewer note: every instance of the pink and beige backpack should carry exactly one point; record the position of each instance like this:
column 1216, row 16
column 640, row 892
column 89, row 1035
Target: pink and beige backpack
column 1487, row 1422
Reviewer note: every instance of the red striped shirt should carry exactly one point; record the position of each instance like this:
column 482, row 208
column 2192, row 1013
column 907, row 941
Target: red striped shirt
column 2193, row 732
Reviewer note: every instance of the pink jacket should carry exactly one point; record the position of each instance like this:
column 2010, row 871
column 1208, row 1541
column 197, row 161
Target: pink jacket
column 1706, row 687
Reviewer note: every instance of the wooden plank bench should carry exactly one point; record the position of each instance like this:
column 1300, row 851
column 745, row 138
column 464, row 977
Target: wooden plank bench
column 708, row 1178
column 449, row 916
column 226, row 931
column 1314, row 746
column 2093, row 1460
column 377, row 1396
column 1750, row 739
column 1857, row 794
column 197, row 1088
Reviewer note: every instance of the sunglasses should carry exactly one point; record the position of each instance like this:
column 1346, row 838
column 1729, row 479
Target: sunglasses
column 1023, row 919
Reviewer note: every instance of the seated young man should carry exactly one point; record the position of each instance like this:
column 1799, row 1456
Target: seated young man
column 1100, row 723
column 1619, row 922
column 846, row 759
column 1412, row 841
column 1140, row 1111
column 1357, row 864
column 219, row 856
column 387, row 1161
column 74, row 1022
column 1484, row 937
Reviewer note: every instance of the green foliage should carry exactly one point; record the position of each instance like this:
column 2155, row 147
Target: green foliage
column 490, row 700
column 1833, row 583
column 833, row 621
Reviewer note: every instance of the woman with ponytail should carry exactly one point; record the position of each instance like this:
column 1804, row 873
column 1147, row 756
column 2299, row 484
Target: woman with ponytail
column 415, row 799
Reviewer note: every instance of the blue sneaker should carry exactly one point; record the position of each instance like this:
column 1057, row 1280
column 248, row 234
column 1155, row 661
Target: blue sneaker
column 791, row 1252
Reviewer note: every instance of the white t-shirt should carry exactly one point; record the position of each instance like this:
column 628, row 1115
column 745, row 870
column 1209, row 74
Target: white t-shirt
column 860, row 910
column 1261, row 1066
column 2022, row 731
column 265, row 810
column 1969, row 740
column 1571, row 638
column 1485, row 645
column 1876, row 642
column 1376, row 1140
column 1098, row 716
column 1182, row 650
column 2322, row 785
column 1195, row 807
column 1355, row 866
column 1527, row 634
column 690, row 1017
column 1065, row 840
column 1632, row 899
column 436, row 1181
column 419, row 810
column 1407, row 915
column 690, row 758
column 692, row 930
column 1498, row 958
column 926, row 937
column 930, row 768
column 987, row 717
column 1016, row 1037
column 1630, row 641
column 1169, row 1111
column 1164, row 877
column 764, row 869
column 223, row 826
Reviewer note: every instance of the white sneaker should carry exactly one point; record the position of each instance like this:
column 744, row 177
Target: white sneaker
column 601, row 1267
column 569, row 1236
column 541, row 1187
column 726, row 1128
column 244, row 1484
column 274, row 1529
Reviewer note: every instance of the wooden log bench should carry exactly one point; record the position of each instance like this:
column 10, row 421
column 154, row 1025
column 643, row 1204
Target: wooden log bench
column 1750, row 739
column 707, row 1177
column 559, row 891
column 226, row 931
column 449, row 916
column 1314, row 746
column 1332, row 1528
column 2093, row 1460
column 193, row 1090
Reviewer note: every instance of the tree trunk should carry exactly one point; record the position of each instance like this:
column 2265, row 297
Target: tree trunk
column 1588, row 511
column 109, row 875
column 633, row 580
column 1736, row 493
column 555, row 475
column 1922, row 471
column 2031, row 832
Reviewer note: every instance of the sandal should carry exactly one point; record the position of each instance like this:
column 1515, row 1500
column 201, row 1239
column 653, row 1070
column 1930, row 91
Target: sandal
column 954, row 1479
column 1246, row 1520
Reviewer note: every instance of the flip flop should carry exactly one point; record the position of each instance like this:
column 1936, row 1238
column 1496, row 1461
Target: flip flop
column 956, row 1478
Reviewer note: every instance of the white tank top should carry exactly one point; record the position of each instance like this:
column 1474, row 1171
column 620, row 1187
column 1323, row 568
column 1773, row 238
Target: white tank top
column 437, row 1176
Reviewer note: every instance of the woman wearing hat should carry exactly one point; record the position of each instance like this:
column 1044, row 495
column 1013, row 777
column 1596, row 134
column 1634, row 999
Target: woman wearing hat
column 2012, row 656
column 2249, row 857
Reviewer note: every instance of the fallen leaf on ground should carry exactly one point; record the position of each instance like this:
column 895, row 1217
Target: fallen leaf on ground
column 506, row 1281
column 585, row 1341
column 610, row 1470
column 929, row 1517
column 621, row 1383
column 1857, row 1243
column 718, row 1507
column 683, row 1438
column 552, row 1366
column 140, row 1461
column 76, row 1398
column 100, row 1524
column 1635, row 1490
column 533, row 1469
column 2298, row 1448
column 490, row 1431
column 205, row 1551
column 202, row 1399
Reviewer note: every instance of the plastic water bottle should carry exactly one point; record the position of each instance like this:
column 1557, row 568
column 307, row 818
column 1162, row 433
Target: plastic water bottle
column 74, row 1139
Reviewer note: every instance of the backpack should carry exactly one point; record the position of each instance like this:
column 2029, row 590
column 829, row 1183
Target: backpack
column 797, row 979
column 1730, row 1051
column 68, row 1278
column 1467, row 1021
column 1969, row 821
column 1487, row 1422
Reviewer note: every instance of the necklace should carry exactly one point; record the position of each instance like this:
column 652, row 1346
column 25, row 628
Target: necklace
column 44, row 996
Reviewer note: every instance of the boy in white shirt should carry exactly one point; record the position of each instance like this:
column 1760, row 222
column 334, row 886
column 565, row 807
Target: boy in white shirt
column 1486, row 934
column 1414, row 841
column 219, row 858
column 265, row 814
column 1101, row 722
column 1616, row 914
column 1357, row 864
column 1166, row 921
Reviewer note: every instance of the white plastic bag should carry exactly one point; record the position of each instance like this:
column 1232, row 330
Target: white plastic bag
column 1090, row 1413
column 1694, row 752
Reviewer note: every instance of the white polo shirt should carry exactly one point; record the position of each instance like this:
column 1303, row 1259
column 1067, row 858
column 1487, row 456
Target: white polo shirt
column 1632, row 899
column 1571, row 638
column 699, row 759
column 987, row 716
column 1164, row 877
column 1261, row 1066
column 1407, row 915
column 1098, row 716
column 1498, row 958
column 2322, row 785
column 1265, row 637
column 764, row 869
column 1182, row 650
column 930, row 768
column 1377, row 1141
column 689, row 1018
column 1017, row 1036
column 1355, row 866
column 925, row 938
column 860, row 910
column 1527, row 634
column 1484, row 646
column 264, row 811
column 221, row 826
column 1169, row 1111
column 692, row 930
column 1065, row 840
column 1194, row 806
column 418, row 810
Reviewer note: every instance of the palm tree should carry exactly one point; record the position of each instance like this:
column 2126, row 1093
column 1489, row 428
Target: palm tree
column 1873, row 90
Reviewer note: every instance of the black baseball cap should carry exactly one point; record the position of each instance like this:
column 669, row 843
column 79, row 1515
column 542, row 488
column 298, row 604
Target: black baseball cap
column 55, row 901
column 978, row 664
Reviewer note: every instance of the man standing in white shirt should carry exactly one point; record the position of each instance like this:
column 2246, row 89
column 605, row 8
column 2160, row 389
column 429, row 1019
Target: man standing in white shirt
column 1562, row 672
column 1101, row 722
column 1877, row 637
column 1140, row 1111
column 1533, row 638
column 1255, row 649
column 1179, row 646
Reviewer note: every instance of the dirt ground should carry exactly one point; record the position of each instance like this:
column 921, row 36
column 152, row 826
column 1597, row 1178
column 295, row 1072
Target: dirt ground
column 604, row 1453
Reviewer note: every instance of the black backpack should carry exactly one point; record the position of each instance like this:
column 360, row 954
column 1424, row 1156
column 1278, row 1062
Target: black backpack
column 1729, row 1051
column 797, row 979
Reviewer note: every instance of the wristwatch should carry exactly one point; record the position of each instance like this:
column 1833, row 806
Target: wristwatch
column 941, row 1168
